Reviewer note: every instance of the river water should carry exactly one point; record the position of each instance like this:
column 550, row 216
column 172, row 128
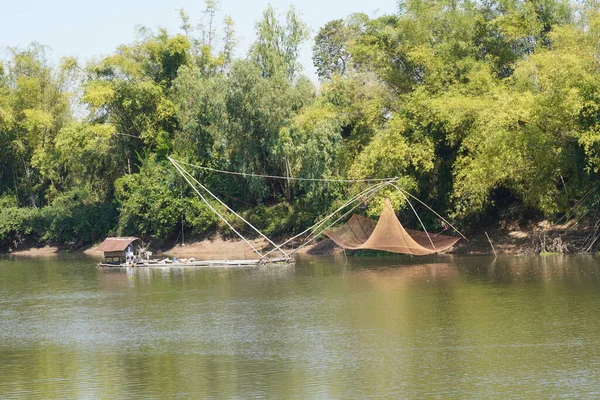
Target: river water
column 386, row 327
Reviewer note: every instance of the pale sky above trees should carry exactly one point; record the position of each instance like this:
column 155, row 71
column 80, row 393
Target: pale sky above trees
column 90, row 29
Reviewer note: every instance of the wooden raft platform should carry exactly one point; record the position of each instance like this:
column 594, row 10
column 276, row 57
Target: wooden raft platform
column 200, row 263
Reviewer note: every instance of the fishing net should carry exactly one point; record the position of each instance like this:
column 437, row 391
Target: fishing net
column 387, row 234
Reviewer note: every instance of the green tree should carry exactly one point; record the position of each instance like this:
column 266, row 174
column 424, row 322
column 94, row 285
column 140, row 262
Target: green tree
column 331, row 53
column 130, row 91
column 35, row 106
column 156, row 201
column 277, row 45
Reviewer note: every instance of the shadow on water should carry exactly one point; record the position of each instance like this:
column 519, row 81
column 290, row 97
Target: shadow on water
column 505, row 269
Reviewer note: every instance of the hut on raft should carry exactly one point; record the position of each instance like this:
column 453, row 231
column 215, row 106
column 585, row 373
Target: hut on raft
column 119, row 250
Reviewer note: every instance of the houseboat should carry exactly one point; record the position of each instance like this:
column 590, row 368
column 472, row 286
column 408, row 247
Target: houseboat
column 121, row 252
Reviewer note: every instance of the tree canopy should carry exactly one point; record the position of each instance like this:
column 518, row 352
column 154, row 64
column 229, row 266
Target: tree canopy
column 483, row 109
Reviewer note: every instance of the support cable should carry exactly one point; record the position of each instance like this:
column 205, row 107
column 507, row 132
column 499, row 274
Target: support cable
column 433, row 211
column 281, row 177
column 314, row 236
column 364, row 196
column 215, row 211
column 376, row 187
column 414, row 211
column 231, row 210
column 369, row 192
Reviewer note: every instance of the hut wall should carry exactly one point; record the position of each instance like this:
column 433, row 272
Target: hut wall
column 115, row 254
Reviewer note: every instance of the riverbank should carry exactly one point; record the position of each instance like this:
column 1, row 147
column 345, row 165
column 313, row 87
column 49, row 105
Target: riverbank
column 46, row 251
column 533, row 238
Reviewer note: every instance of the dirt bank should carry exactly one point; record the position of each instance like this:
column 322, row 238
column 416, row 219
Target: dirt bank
column 514, row 242
column 46, row 251
column 217, row 248
column 531, row 238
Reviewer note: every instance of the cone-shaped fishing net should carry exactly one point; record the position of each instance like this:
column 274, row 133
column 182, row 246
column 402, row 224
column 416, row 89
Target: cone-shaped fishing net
column 388, row 234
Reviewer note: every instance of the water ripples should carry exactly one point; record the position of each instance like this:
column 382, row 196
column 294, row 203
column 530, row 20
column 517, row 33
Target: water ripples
column 460, row 327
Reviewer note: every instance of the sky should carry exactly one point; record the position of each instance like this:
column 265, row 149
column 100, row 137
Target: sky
column 88, row 30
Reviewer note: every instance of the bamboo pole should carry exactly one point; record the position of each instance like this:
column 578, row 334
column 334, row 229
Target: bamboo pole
column 215, row 211
column 489, row 240
column 234, row 213
column 417, row 215
column 376, row 186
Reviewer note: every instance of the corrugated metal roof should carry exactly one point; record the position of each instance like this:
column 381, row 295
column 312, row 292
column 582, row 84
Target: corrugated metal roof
column 116, row 243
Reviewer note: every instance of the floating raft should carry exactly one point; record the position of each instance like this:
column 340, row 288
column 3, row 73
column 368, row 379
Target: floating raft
column 200, row 263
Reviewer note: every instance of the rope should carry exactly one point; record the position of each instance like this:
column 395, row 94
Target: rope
column 314, row 236
column 369, row 189
column 231, row 210
column 234, row 198
column 215, row 211
column 369, row 192
column 366, row 194
column 417, row 215
column 282, row 177
column 574, row 206
column 433, row 211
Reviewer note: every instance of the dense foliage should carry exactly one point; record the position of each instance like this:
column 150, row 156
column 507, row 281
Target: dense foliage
column 483, row 109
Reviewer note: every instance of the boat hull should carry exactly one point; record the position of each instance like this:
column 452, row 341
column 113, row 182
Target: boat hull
column 201, row 263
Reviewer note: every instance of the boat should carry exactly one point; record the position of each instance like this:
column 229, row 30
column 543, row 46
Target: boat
column 119, row 253
column 179, row 263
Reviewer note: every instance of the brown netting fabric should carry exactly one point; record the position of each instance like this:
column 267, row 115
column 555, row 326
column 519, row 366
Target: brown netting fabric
column 387, row 234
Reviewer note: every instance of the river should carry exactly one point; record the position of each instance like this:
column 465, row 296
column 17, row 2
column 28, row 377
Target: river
column 385, row 327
